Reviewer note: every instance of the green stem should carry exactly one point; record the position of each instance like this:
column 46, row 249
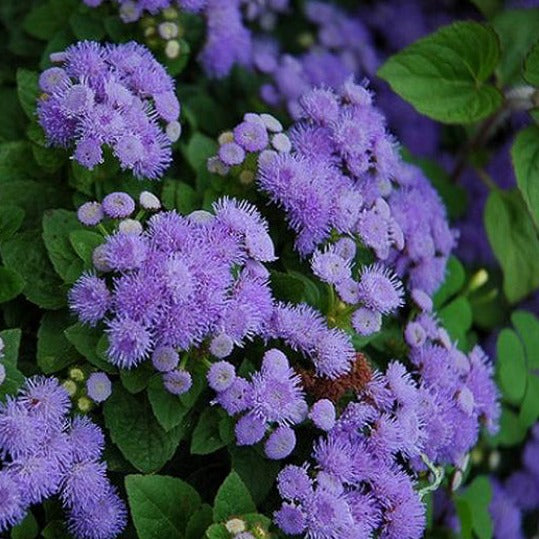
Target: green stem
column 102, row 229
column 183, row 361
column 438, row 477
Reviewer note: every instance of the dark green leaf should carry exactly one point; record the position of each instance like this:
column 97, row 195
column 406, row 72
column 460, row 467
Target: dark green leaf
column 137, row 379
column 27, row 529
column 84, row 242
column 517, row 30
column 161, row 506
column 478, row 495
column 87, row 26
column 287, row 287
column 514, row 241
column 12, row 341
column 445, row 74
column 26, row 253
column 178, row 195
column 206, row 438
column 54, row 351
column 217, row 531
column 488, row 8
column 167, row 408
column 199, row 149
column 527, row 326
column 257, row 472
column 11, row 218
column 57, row 227
column 453, row 283
column 232, row 499
column 85, row 339
column 511, row 432
column 199, row 522
column 525, row 154
column 11, row 284
column 134, row 429
column 28, row 90
column 531, row 66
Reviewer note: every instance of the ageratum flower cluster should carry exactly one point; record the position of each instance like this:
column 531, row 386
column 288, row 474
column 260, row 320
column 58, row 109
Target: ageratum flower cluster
column 341, row 46
column 47, row 454
column 225, row 23
column 113, row 96
column 177, row 281
column 362, row 480
column 338, row 174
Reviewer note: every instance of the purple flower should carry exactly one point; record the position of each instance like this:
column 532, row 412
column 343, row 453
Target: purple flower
column 125, row 251
column 165, row 358
column 83, row 482
column 105, row 518
column 221, row 345
column 236, row 398
column 118, row 205
column 129, row 342
column 251, row 136
column 250, row 429
column 366, row 321
column 12, row 506
column 90, row 213
column 294, row 483
column 323, row 414
column 99, row 387
column 231, row 153
column 86, row 440
column 221, row 375
column 89, row 299
column 98, row 99
column 290, row 519
column 379, row 289
column 280, row 444
column 177, row 382
column 330, row 267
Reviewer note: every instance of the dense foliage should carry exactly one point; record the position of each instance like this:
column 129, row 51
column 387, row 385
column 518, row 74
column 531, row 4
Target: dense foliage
column 269, row 268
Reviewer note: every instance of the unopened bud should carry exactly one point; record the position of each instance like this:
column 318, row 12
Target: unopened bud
column 172, row 49
column 84, row 404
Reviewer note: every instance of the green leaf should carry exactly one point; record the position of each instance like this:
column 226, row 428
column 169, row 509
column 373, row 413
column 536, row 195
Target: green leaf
column 206, row 438
column 457, row 318
column 57, row 227
column 488, row 8
column 511, row 365
column 199, row 149
column 11, row 284
column 161, row 506
column 531, row 66
column 84, row 243
column 478, row 495
column 525, row 155
column 85, row 340
column 137, row 379
column 527, row 326
column 257, row 472
column 28, row 90
column 513, row 238
column 464, row 513
column 87, row 26
column 133, row 428
column 445, row 74
column 46, row 18
column 55, row 530
column 287, row 287
column 178, row 195
column 167, row 408
column 54, row 351
column 517, row 30
column 512, row 431
column 14, row 378
column 27, row 529
column 453, row 283
column 11, row 218
column 26, row 254
column 199, row 522
column 217, row 531
column 232, row 499
column 529, row 409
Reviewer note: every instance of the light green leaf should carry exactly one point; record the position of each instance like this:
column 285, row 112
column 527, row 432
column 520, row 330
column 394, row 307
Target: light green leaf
column 513, row 238
column 511, row 366
column 85, row 339
column 199, row 149
column 199, row 522
column 84, row 243
column 445, row 74
column 525, row 155
column 161, row 506
column 167, row 408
